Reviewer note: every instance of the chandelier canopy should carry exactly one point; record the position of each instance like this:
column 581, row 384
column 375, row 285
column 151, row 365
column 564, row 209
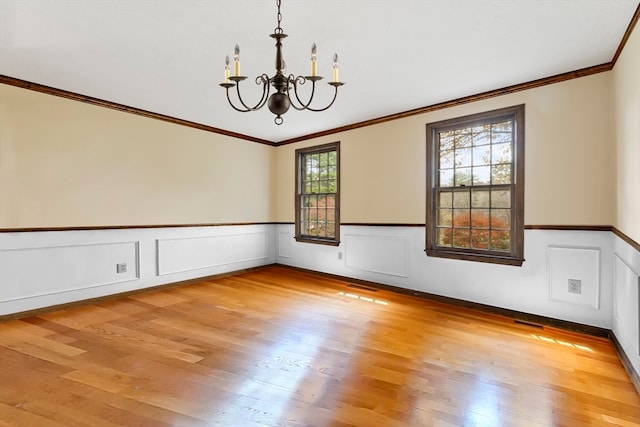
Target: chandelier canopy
column 285, row 86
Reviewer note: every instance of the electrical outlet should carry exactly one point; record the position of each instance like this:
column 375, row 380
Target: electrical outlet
column 121, row 268
column 339, row 255
column 575, row 286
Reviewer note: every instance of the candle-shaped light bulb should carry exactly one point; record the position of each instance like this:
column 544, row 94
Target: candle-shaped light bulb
column 226, row 69
column 335, row 67
column 314, row 63
column 236, row 59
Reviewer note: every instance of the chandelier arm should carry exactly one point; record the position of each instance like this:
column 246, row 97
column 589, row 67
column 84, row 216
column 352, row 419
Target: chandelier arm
column 264, row 79
column 301, row 80
column 335, row 95
column 233, row 106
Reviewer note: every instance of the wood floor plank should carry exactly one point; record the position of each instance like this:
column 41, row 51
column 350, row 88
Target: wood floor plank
column 280, row 347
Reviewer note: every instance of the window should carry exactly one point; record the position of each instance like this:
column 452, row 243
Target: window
column 475, row 187
column 318, row 194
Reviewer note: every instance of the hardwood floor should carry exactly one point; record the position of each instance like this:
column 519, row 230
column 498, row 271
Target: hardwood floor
column 279, row 347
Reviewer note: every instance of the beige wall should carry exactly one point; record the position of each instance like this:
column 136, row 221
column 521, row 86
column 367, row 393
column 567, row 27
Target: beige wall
column 65, row 164
column 569, row 159
column 626, row 83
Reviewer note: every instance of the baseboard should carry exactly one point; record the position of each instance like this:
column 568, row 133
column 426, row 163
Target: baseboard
column 628, row 366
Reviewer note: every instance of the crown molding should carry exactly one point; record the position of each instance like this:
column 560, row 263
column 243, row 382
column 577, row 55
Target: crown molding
column 634, row 20
column 460, row 101
column 24, row 84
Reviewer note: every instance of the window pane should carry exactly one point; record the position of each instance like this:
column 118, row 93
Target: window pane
column 309, row 228
column 501, row 153
column 445, row 217
column 461, row 237
column 445, row 236
column 446, row 141
column 313, row 214
column 500, row 198
column 501, row 218
column 324, row 172
column 445, row 199
column 313, row 228
column 461, row 218
column 480, row 198
column 446, row 178
column 480, row 218
column 482, row 155
column 462, row 138
column 505, row 126
column 482, row 175
column 446, row 159
column 480, row 239
column 498, row 137
column 463, row 157
column 324, row 160
column 501, row 174
column 332, row 159
column 320, row 231
column 481, row 135
column 500, row 240
column 462, row 177
column 331, row 215
column 331, row 230
column 308, row 165
column 461, row 199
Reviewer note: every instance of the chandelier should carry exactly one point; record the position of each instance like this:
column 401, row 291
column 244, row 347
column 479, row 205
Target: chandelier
column 285, row 87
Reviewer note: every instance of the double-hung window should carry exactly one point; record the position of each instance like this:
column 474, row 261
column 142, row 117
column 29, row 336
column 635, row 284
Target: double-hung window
column 318, row 194
column 475, row 187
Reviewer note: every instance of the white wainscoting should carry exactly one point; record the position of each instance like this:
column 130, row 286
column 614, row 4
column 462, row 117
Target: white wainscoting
column 626, row 304
column 395, row 256
column 41, row 269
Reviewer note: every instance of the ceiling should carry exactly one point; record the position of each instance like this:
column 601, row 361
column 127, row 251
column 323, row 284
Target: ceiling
column 167, row 56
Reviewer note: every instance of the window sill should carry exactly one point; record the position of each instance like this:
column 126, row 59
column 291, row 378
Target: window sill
column 488, row 258
column 303, row 239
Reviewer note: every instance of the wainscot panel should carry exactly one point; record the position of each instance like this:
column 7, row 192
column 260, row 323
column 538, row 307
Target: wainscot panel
column 284, row 244
column 377, row 254
column 574, row 275
column 194, row 253
column 29, row 270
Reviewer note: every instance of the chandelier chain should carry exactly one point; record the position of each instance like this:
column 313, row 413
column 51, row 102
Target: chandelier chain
column 278, row 29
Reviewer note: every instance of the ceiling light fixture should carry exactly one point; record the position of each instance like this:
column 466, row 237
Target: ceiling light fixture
column 279, row 101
